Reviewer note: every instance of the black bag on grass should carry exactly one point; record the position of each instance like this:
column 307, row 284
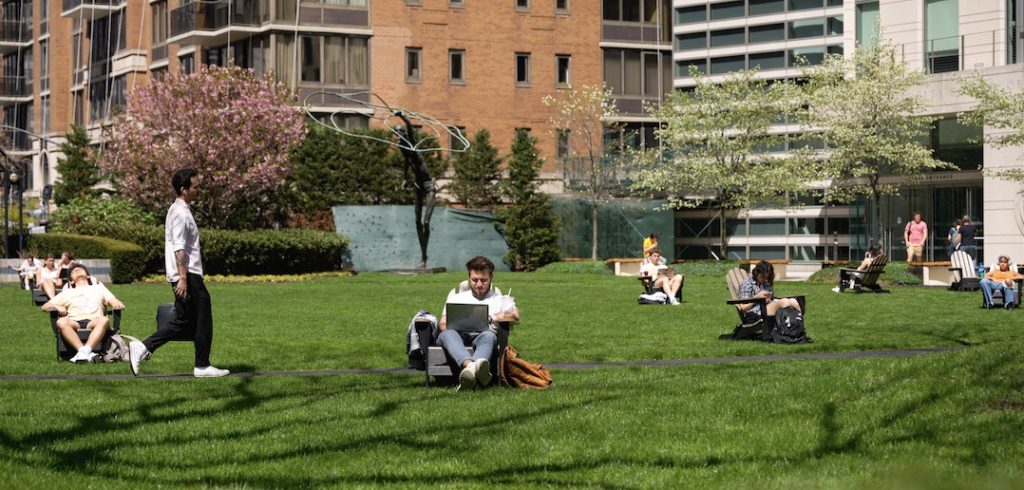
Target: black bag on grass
column 789, row 327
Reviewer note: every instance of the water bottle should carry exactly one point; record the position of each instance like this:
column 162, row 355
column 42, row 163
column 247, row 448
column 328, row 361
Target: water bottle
column 981, row 269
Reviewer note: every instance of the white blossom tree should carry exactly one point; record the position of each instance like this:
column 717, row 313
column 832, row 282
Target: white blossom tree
column 1000, row 109
column 716, row 146
column 872, row 123
column 583, row 114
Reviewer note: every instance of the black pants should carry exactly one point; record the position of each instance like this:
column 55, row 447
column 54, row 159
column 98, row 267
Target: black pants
column 192, row 313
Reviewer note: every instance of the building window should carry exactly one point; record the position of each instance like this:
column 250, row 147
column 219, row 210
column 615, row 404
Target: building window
column 413, row 67
column 309, row 66
column 727, row 10
column 561, row 6
column 942, row 35
column 525, row 130
column 635, row 10
column 762, row 7
column 456, row 145
column 187, row 64
column 457, row 3
column 562, row 148
column 768, row 61
column 867, row 24
column 799, row 29
column 456, row 66
column 695, row 40
column 522, row 68
column 804, row 4
column 158, row 73
column 636, row 73
column 522, row 5
column 159, row 22
column 414, row 2
column 729, row 37
column 766, row 33
column 44, row 105
column 692, row 15
column 563, row 67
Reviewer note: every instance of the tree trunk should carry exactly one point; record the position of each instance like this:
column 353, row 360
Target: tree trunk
column 722, row 253
column 593, row 231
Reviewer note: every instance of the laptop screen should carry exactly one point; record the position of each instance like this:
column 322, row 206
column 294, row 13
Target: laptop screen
column 467, row 317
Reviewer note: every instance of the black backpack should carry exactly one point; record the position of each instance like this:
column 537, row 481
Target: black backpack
column 789, row 327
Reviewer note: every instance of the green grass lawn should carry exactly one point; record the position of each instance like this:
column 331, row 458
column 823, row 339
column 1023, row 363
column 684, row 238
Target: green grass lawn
column 950, row 420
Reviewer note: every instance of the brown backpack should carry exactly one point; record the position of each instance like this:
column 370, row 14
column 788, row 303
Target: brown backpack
column 517, row 373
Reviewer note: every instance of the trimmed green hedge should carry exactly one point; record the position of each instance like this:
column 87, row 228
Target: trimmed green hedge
column 271, row 251
column 127, row 260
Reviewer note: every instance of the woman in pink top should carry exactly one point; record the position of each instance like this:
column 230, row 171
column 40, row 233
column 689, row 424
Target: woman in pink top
column 914, row 234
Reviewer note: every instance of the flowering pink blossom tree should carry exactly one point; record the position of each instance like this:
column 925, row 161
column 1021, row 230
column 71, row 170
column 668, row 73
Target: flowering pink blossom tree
column 234, row 127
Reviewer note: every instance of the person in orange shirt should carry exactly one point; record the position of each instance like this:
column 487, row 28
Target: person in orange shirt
column 1000, row 278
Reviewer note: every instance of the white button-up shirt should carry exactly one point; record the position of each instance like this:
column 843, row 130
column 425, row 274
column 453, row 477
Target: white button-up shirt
column 181, row 233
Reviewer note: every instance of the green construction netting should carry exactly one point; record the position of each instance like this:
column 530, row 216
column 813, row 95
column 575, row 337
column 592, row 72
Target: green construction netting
column 384, row 237
column 622, row 225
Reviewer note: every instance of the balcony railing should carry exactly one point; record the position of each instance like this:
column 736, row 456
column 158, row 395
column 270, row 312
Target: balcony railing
column 206, row 16
column 17, row 140
column 15, row 31
column 15, row 87
column 72, row 4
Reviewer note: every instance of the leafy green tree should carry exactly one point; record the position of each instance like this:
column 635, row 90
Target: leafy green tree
column 717, row 140
column 529, row 220
column 77, row 171
column 583, row 114
column 870, row 118
column 1001, row 110
column 477, row 173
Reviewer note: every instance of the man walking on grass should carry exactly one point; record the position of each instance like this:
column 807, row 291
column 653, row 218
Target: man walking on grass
column 185, row 274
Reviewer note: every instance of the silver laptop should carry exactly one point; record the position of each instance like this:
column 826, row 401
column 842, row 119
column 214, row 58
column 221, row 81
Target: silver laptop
column 467, row 317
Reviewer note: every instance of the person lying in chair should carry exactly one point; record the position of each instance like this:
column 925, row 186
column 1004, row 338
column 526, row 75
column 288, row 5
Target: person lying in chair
column 665, row 278
column 82, row 306
column 761, row 284
column 847, row 279
column 476, row 368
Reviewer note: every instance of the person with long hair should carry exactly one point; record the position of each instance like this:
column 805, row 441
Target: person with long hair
column 761, row 284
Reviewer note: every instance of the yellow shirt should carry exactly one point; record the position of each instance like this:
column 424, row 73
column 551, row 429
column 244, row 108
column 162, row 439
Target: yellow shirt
column 84, row 302
column 1000, row 275
column 647, row 243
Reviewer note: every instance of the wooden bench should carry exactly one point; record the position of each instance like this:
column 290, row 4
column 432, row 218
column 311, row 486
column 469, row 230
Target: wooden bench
column 779, row 265
column 935, row 273
column 625, row 266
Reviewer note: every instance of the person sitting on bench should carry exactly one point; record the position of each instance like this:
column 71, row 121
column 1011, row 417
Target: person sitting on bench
column 847, row 278
column 476, row 369
column 82, row 306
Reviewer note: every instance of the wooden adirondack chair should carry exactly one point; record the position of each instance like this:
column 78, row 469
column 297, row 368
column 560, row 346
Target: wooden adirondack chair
column 760, row 328
column 868, row 278
column 443, row 368
column 965, row 272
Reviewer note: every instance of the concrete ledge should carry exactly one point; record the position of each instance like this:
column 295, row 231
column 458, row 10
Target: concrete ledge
column 934, row 273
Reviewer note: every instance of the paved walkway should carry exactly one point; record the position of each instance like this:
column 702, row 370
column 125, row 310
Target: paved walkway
column 556, row 366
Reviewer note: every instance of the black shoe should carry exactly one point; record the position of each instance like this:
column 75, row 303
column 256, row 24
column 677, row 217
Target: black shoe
column 1008, row 306
column 987, row 306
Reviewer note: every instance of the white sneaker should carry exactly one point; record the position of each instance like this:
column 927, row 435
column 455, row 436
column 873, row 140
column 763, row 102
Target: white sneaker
column 83, row 355
column 673, row 301
column 209, row 372
column 836, row 290
column 467, row 378
column 137, row 353
column 483, row 372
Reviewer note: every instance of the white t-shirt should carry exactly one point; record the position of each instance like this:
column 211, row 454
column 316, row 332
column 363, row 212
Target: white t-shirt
column 52, row 275
column 84, row 302
column 492, row 300
column 28, row 269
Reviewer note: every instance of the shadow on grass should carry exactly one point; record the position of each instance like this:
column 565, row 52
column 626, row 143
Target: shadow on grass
column 84, row 447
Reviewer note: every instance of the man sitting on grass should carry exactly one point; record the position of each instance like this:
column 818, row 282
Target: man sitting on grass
column 999, row 279
column 476, row 369
column 82, row 306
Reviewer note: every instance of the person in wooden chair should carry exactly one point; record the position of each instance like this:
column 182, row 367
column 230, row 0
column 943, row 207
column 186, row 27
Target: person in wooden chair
column 663, row 276
column 1000, row 279
column 82, row 306
column 476, row 368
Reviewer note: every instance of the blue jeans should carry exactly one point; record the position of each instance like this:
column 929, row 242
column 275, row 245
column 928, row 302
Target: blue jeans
column 989, row 286
column 455, row 342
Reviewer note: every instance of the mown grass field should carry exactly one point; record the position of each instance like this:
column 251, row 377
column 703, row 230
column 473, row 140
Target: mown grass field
column 948, row 420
